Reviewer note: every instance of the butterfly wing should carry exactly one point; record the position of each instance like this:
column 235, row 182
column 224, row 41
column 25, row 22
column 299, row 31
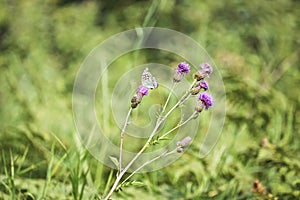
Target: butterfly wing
column 148, row 80
column 154, row 81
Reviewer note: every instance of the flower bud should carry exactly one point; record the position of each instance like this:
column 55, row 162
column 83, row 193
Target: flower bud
column 181, row 145
column 204, row 72
column 179, row 149
column 134, row 105
column 199, row 76
column 177, row 77
column 136, row 100
column 199, row 106
column 195, row 90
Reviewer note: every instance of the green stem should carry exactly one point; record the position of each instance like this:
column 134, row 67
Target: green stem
column 147, row 144
column 178, row 126
column 168, row 99
column 122, row 139
column 148, row 162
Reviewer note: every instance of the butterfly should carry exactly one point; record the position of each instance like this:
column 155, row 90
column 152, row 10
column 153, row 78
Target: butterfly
column 148, row 80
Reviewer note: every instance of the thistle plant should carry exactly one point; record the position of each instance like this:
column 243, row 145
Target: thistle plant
column 148, row 84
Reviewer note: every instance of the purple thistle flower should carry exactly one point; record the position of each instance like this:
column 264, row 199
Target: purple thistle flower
column 198, row 87
column 203, row 85
column 143, row 90
column 206, row 69
column 206, row 99
column 204, row 72
column 137, row 98
column 183, row 68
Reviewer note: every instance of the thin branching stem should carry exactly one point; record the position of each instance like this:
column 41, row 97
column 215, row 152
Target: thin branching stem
column 180, row 102
column 147, row 144
column 178, row 126
column 168, row 99
column 122, row 138
column 166, row 153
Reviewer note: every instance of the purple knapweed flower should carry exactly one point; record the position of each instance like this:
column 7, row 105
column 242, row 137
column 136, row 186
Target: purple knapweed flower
column 182, row 68
column 137, row 98
column 204, row 72
column 206, row 99
column 206, row 68
column 143, row 90
column 202, row 85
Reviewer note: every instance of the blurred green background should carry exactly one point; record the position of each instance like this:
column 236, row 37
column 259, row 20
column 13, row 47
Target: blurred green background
column 255, row 44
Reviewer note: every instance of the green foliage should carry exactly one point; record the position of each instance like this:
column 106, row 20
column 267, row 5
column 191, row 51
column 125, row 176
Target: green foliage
column 255, row 44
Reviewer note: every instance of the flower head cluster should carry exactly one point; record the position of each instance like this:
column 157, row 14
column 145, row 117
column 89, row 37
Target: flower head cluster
column 204, row 72
column 137, row 98
column 205, row 100
column 149, row 82
column 182, row 68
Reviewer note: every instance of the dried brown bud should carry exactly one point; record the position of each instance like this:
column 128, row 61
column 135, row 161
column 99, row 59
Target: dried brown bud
column 195, row 90
column 199, row 76
column 136, row 99
column 134, row 105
